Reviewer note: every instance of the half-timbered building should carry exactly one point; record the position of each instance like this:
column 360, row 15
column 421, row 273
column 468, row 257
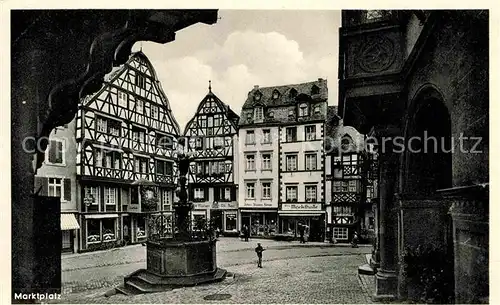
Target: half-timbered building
column 212, row 138
column 125, row 134
column 350, row 180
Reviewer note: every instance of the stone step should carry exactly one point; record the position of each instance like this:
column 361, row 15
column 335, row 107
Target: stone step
column 124, row 290
column 366, row 269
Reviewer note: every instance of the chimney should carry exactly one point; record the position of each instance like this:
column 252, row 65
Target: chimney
column 255, row 87
column 320, row 79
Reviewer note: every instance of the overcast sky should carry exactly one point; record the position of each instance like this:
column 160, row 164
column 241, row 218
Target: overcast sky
column 246, row 48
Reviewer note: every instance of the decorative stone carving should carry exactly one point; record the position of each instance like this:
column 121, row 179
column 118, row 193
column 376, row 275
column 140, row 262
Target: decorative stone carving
column 376, row 54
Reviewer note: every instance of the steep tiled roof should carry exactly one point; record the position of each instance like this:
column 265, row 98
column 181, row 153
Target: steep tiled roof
column 282, row 109
column 284, row 98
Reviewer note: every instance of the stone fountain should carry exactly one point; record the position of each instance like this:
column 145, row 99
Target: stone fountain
column 179, row 260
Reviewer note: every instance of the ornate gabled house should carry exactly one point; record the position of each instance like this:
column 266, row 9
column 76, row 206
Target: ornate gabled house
column 212, row 138
column 350, row 184
column 126, row 136
column 281, row 165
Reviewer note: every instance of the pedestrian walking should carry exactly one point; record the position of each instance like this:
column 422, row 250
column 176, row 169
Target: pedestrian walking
column 259, row 251
column 247, row 233
column 354, row 242
column 302, row 232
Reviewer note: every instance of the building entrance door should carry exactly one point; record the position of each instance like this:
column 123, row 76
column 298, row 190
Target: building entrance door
column 216, row 219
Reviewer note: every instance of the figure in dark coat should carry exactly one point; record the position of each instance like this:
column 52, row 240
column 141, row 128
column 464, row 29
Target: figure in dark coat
column 259, row 251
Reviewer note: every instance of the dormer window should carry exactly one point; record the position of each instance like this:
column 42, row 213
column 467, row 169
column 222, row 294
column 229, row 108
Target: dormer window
column 314, row 90
column 345, row 143
column 303, row 110
column 249, row 116
column 257, row 96
column 270, row 114
column 293, row 93
column 317, row 109
column 276, row 94
column 291, row 113
column 258, row 114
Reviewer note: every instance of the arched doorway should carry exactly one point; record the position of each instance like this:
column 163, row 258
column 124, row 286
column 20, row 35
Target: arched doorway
column 425, row 228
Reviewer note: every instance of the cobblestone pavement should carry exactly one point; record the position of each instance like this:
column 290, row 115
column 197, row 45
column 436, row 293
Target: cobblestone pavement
column 111, row 273
column 137, row 253
column 318, row 279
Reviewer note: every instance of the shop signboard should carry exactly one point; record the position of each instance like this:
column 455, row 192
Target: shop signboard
column 202, row 205
column 231, row 205
column 259, row 204
column 301, row 207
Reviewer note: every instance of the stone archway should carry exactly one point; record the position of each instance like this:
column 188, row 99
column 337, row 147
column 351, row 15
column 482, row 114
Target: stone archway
column 425, row 240
column 427, row 157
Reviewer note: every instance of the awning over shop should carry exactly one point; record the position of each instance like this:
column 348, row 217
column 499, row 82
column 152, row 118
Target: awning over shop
column 301, row 213
column 69, row 222
column 101, row 216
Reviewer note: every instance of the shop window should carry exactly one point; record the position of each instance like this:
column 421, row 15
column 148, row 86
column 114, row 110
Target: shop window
column 93, row 231
column 66, row 240
column 141, row 227
column 230, row 222
column 340, row 233
column 109, row 229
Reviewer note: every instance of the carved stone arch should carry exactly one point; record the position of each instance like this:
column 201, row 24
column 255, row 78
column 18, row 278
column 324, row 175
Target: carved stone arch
column 427, row 163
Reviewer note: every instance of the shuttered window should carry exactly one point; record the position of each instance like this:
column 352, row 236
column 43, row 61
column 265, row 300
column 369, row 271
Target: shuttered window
column 55, row 152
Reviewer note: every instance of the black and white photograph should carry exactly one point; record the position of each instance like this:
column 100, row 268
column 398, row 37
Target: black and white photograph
column 249, row 155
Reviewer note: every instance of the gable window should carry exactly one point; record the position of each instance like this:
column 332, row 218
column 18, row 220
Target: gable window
column 303, row 110
column 225, row 193
column 199, row 193
column 259, row 114
column 217, row 120
column 138, row 135
column 210, row 121
column 139, row 106
column 311, row 193
column 163, row 141
column 165, row 200
column 310, row 133
column 250, row 137
column 314, row 90
column 346, row 143
column 291, row 162
column 266, row 136
column 122, row 99
column 266, row 162
column 55, row 152
column 291, row 193
column 250, row 162
column 199, row 143
column 114, row 127
column 218, row 142
column 55, row 187
column 311, row 161
column 202, row 121
column 93, row 192
column 154, row 111
column 266, row 190
column 141, row 165
column 112, row 160
column 250, row 190
column 140, row 81
column 291, row 134
column 102, row 125
column 98, row 158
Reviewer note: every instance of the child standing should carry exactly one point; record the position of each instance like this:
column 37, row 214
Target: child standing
column 259, row 251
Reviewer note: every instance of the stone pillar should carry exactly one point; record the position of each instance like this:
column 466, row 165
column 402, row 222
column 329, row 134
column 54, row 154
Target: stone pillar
column 24, row 105
column 386, row 277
